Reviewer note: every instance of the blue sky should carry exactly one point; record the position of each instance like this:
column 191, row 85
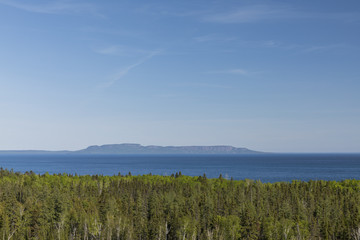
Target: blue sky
column 281, row 76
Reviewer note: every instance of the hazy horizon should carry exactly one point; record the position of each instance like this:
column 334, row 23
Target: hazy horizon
column 219, row 145
column 272, row 76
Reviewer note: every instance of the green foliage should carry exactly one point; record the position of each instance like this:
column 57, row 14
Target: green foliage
column 63, row 206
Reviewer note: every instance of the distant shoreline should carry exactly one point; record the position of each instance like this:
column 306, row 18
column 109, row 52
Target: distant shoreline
column 131, row 148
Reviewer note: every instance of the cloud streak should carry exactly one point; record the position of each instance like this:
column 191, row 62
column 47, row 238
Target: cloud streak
column 53, row 7
column 118, row 50
column 246, row 14
column 124, row 71
column 322, row 48
column 256, row 13
column 236, row 71
column 214, row 38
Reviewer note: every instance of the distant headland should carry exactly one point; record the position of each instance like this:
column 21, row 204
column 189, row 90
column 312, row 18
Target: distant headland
column 133, row 148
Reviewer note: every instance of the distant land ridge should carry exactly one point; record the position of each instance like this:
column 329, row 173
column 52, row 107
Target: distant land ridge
column 133, row 148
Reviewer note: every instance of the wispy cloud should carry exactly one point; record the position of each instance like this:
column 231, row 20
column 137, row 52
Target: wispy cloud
column 203, row 85
column 209, row 85
column 256, row 13
column 248, row 14
column 53, row 7
column 321, row 48
column 214, row 38
column 177, row 9
column 113, row 31
column 119, row 50
column 297, row 47
column 125, row 70
column 236, row 71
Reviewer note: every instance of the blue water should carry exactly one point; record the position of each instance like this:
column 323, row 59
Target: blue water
column 264, row 167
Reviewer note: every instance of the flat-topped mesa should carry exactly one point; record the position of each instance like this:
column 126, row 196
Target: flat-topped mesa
column 132, row 148
column 113, row 147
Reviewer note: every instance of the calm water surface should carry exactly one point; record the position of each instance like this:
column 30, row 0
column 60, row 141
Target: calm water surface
column 264, row 167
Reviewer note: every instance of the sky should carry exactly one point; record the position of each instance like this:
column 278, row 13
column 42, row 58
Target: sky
column 275, row 76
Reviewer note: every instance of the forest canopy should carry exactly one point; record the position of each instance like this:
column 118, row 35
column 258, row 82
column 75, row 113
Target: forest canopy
column 63, row 206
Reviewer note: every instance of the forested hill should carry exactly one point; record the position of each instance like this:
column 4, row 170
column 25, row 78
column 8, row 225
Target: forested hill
column 132, row 148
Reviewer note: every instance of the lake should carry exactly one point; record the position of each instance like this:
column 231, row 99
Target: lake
column 264, row 167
